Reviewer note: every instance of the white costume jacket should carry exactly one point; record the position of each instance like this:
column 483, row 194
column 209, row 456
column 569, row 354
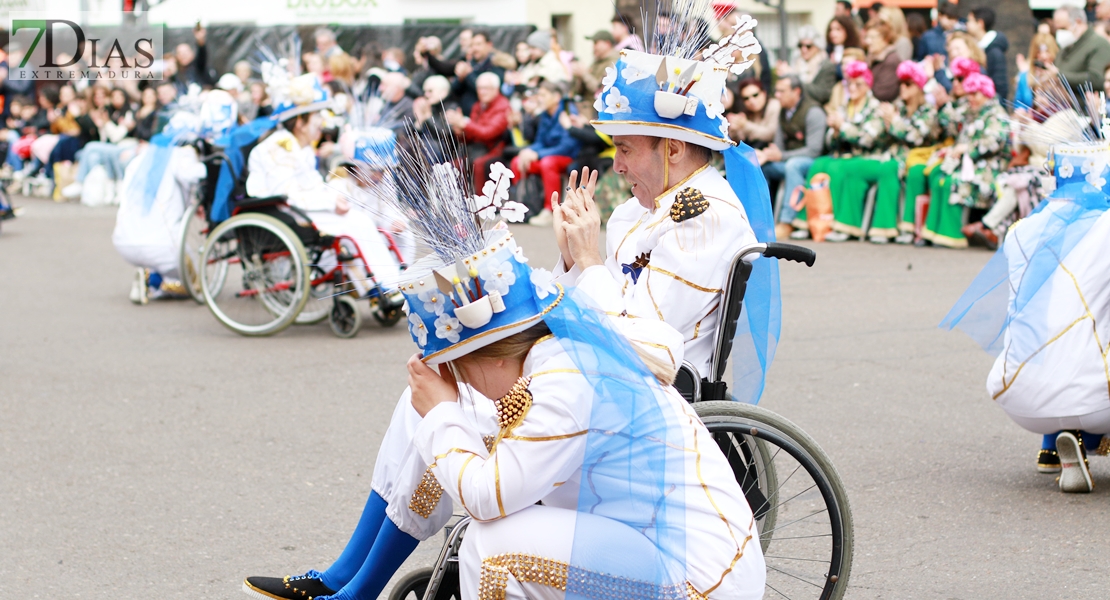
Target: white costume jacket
column 151, row 239
column 1054, row 358
column 280, row 166
column 684, row 260
column 540, row 458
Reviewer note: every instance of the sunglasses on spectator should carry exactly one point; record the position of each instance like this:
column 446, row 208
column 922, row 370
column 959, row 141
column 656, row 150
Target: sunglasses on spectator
column 751, row 97
column 804, row 45
column 907, row 82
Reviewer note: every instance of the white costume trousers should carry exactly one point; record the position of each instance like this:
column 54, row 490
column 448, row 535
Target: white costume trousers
column 399, row 469
column 360, row 227
column 500, row 555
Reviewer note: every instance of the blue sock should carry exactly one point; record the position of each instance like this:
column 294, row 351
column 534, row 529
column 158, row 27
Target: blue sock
column 1049, row 442
column 391, row 547
column 358, row 548
column 155, row 280
column 1091, row 440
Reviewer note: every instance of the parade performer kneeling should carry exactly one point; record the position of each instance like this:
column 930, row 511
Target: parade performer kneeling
column 1042, row 304
column 659, row 509
column 390, row 527
column 285, row 163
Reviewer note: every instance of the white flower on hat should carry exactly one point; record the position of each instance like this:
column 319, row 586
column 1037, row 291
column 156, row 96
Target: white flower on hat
column 448, row 328
column 599, row 103
column 1066, row 168
column 714, row 109
column 434, row 301
column 544, row 282
column 518, row 254
column 724, row 128
column 1093, row 169
column 632, row 74
column 498, row 276
column 513, row 211
column 615, row 102
column 610, row 78
column 418, row 330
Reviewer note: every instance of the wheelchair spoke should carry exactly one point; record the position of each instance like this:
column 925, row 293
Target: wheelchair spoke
column 803, row 580
column 779, row 527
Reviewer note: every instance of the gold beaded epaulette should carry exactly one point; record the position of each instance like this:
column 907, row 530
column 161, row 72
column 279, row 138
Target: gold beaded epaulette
column 688, row 203
column 512, row 407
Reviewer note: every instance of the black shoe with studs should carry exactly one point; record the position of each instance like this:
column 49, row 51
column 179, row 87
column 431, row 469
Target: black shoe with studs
column 297, row 587
column 1048, row 461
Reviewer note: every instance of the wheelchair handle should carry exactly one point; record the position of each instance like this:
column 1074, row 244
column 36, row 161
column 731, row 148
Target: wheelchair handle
column 790, row 252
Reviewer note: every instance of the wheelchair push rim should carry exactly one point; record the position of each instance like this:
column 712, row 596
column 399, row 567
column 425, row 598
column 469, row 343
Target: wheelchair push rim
column 254, row 275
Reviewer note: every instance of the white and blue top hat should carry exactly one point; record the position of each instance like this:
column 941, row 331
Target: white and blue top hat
column 480, row 299
column 293, row 95
column 1085, row 162
column 672, row 95
column 373, row 146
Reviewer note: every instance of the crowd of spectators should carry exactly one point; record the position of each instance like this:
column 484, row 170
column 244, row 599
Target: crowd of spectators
column 879, row 99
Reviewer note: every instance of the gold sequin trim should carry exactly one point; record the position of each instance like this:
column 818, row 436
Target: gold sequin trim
column 1103, row 446
column 689, row 283
column 689, row 203
column 488, row 440
column 426, row 497
column 512, row 407
column 526, row 568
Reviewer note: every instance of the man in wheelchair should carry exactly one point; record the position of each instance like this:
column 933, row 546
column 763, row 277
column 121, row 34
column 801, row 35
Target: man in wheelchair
column 285, row 164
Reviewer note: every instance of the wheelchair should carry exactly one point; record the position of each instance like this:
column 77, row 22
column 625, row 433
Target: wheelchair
column 800, row 504
column 267, row 267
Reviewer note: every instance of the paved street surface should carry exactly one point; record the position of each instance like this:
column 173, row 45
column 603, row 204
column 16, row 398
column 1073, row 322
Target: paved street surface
column 148, row 452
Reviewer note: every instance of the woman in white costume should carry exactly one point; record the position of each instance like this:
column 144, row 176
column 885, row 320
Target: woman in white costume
column 1043, row 303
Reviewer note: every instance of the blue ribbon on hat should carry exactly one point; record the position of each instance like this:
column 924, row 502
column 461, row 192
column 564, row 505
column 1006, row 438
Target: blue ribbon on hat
column 232, row 168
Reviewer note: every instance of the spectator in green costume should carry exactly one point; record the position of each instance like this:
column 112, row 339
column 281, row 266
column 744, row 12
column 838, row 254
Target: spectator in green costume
column 966, row 178
column 912, row 124
column 857, row 138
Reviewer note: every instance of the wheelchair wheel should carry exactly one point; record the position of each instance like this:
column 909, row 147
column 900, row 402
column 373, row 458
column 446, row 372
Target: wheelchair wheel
column 801, row 506
column 319, row 303
column 387, row 317
column 345, row 320
column 255, row 278
column 194, row 228
column 413, row 585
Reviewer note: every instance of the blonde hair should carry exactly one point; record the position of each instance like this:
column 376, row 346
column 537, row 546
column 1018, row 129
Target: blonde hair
column 977, row 53
column 1046, row 40
column 518, row 345
column 893, row 16
column 342, row 67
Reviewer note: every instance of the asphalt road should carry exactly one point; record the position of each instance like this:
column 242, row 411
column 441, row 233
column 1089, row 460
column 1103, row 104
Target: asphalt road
column 147, row 452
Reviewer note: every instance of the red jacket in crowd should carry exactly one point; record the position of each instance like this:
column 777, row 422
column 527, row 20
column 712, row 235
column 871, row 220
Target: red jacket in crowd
column 488, row 123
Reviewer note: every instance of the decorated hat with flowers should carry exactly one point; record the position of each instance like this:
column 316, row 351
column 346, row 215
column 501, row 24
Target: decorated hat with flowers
column 676, row 90
column 857, row 69
column 290, row 92
column 475, row 287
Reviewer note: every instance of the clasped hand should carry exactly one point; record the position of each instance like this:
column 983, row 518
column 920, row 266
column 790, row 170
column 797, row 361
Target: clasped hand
column 430, row 389
column 577, row 222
